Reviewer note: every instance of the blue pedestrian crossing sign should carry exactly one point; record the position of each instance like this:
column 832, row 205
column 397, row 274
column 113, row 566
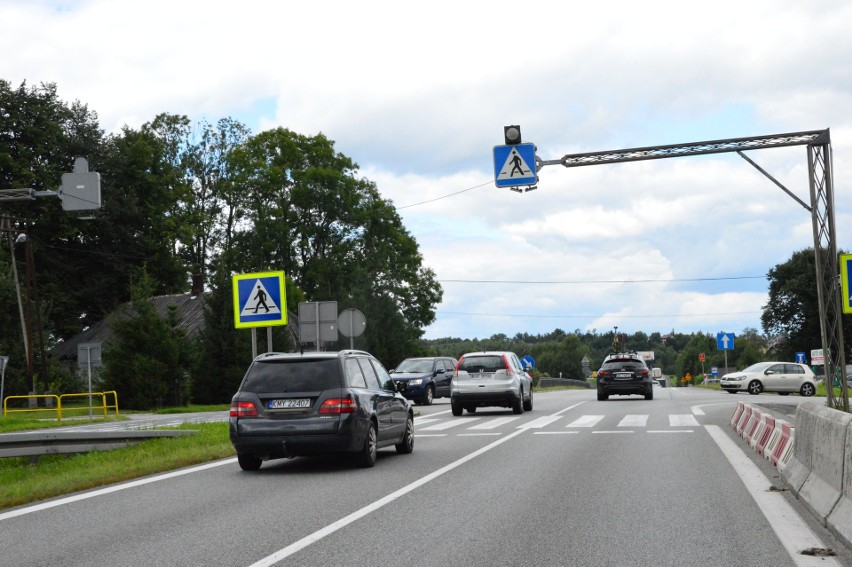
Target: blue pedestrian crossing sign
column 845, row 268
column 514, row 165
column 260, row 300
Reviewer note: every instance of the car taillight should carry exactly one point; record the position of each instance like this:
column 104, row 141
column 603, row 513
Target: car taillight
column 509, row 370
column 243, row 409
column 338, row 406
column 643, row 373
column 604, row 373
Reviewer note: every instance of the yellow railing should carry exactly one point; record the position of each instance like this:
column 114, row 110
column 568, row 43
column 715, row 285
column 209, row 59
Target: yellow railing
column 102, row 407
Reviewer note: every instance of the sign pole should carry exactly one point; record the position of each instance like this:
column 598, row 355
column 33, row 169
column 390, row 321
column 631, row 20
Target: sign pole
column 89, row 370
column 269, row 339
column 3, row 361
column 253, row 343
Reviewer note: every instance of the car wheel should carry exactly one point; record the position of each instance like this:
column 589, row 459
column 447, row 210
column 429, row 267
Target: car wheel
column 755, row 387
column 406, row 444
column 518, row 404
column 456, row 407
column 528, row 403
column 649, row 395
column 249, row 462
column 602, row 397
column 368, row 454
column 430, row 395
column 807, row 389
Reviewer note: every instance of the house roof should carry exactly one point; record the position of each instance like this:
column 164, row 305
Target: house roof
column 189, row 310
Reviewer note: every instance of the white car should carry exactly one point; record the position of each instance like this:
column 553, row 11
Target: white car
column 781, row 377
column 493, row 378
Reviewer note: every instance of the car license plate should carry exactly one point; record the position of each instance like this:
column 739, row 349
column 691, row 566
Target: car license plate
column 622, row 376
column 289, row 403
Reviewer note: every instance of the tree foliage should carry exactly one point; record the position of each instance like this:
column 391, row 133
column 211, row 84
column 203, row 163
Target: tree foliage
column 148, row 360
column 791, row 316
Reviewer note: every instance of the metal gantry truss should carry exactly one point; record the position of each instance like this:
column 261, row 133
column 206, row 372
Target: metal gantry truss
column 821, row 208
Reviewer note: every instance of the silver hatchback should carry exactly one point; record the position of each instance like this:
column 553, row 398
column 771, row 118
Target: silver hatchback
column 490, row 378
column 782, row 377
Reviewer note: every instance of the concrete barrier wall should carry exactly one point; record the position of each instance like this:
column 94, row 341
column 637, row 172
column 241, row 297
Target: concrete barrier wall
column 819, row 469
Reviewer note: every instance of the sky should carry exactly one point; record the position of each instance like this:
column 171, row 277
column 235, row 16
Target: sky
column 418, row 94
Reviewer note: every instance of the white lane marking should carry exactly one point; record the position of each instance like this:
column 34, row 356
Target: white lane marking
column 556, row 432
column 111, row 489
column 634, row 421
column 586, row 421
column 792, row 531
column 421, row 435
column 687, row 420
column 540, row 422
column 622, row 431
column 421, row 421
column 491, row 424
column 669, row 431
column 434, row 414
column 449, row 424
column 358, row 514
column 569, row 408
column 479, row 434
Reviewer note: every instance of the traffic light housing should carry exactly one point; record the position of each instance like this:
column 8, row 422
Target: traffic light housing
column 512, row 135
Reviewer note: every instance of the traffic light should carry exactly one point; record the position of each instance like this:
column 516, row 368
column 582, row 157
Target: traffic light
column 512, row 134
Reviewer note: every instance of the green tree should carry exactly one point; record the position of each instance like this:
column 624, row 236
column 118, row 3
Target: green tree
column 791, row 316
column 148, row 360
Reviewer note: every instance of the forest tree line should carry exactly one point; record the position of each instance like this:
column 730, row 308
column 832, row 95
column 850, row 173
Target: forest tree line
column 185, row 206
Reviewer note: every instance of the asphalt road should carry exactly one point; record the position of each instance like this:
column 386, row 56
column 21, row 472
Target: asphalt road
column 574, row 482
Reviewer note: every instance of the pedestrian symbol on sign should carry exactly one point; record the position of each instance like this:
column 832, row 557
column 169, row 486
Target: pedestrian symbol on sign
column 259, row 299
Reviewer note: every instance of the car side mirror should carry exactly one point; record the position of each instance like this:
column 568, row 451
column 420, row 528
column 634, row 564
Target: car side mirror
column 768, row 372
column 439, row 371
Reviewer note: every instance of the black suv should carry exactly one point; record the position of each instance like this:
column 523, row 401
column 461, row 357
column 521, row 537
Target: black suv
column 299, row 404
column 624, row 373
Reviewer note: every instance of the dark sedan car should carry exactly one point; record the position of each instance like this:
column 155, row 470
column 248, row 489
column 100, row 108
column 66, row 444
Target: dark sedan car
column 425, row 378
column 624, row 373
column 296, row 404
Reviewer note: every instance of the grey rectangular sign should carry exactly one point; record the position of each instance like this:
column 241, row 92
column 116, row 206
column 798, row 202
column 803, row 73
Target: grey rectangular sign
column 318, row 317
column 89, row 353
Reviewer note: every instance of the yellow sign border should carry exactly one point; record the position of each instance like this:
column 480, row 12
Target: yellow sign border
column 236, row 295
column 844, row 282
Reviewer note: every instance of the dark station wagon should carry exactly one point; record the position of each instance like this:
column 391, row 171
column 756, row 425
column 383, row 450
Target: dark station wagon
column 300, row 404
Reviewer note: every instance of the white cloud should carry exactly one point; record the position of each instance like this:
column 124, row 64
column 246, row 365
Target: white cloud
column 418, row 95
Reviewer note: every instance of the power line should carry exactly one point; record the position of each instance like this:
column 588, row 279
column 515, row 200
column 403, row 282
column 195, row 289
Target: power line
column 604, row 281
column 445, row 196
column 616, row 316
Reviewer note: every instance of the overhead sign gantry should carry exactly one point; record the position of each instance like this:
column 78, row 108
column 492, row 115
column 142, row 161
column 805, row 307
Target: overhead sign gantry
column 821, row 209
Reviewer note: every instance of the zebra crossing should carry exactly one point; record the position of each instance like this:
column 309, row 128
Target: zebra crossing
column 441, row 426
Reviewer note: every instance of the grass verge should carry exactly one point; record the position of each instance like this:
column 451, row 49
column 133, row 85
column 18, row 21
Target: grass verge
column 23, row 482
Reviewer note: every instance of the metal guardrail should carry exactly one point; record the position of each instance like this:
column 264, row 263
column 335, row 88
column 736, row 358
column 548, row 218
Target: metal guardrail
column 57, row 402
column 38, row 443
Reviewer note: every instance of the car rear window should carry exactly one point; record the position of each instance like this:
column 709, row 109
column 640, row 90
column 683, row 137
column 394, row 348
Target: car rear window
column 488, row 363
column 626, row 363
column 292, row 375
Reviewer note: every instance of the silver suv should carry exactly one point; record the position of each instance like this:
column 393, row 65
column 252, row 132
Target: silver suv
column 493, row 378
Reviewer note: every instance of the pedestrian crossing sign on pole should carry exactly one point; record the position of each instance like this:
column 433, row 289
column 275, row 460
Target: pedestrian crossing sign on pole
column 260, row 300
column 514, row 165
column 845, row 265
